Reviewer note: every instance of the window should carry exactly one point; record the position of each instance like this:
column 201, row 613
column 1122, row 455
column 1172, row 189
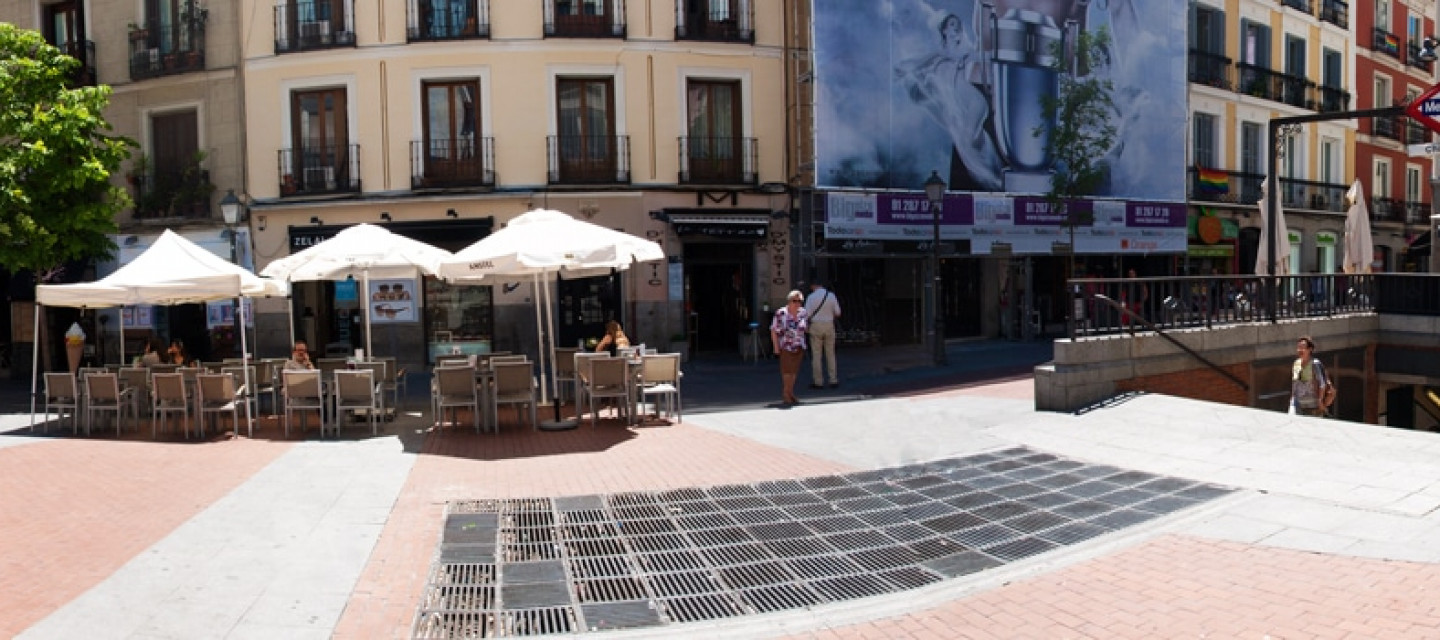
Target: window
column 714, row 149
column 459, row 319
column 1208, row 32
column 1204, row 142
column 1412, row 184
column 1382, row 14
column 1381, row 187
column 1382, row 92
column 1413, row 28
column 1331, row 64
column 451, row 112
column 175, row 183
column 1255, row 44
column 586, row 145
column 1295, row 56
column 1250, row 143
column 320, row 139
column 585, row 18
column 1294, row 158
column 1329, row 160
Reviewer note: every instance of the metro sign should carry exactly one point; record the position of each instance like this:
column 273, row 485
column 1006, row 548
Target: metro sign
column 1426, row 109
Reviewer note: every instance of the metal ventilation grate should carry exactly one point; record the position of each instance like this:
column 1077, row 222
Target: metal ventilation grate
column 574, row 564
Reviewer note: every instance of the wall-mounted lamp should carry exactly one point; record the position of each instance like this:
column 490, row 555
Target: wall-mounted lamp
column 260, row 223
column 230, row 207
column 452, row 213
column 385, row 215
column 315, row 220
column 1427, row 49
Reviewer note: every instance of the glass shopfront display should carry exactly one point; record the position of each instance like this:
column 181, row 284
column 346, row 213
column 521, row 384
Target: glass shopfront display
column 459, row 319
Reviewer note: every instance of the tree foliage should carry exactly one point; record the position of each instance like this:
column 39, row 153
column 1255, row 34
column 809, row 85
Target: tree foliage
column 1084, row 115
column 57, row 202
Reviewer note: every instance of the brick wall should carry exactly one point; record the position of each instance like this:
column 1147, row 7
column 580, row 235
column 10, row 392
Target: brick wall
column 1199, row 384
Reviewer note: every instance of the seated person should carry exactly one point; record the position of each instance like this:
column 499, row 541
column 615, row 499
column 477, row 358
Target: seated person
column 151, row 357
column 299, row 358
column 614, row 339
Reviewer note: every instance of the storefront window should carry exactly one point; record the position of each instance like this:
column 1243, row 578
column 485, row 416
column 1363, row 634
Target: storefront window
column 459, row 318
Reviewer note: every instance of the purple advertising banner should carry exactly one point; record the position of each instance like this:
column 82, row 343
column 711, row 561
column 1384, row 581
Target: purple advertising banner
column 899, row 208
column 1037, row 212
column 1150, row 215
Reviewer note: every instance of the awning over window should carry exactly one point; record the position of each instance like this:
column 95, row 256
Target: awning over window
column 749, row 225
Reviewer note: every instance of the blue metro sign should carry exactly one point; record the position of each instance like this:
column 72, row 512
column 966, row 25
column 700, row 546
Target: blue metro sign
column 1426, row 109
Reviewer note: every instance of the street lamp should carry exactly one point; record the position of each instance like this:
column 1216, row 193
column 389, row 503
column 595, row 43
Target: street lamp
column 230, row 210
column 935, row 193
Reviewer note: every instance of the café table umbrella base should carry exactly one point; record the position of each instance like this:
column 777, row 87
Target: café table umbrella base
column 558, row 424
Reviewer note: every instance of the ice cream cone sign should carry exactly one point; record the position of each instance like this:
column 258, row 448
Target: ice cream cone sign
column 74, row 346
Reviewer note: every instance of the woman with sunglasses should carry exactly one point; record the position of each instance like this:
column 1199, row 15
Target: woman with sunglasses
column 787, row 337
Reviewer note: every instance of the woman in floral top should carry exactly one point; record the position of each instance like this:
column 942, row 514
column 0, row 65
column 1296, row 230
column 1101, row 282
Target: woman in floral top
column 787, row 337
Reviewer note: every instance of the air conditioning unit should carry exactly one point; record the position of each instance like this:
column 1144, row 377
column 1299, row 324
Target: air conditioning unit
column 318, row 178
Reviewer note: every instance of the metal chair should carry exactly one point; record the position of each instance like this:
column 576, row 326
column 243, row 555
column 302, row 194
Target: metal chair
column 393, row 381
column 168, row 396
column 103, row 395
column 246, row 392
column 61, row 394
column 303, row 392
column 217, row 393
column 135, row 381
column 355, row 390
column 515, row 384
column 581, row 366
column 564, row 372
column 608, row 379
column 660, row 377
column 455, row 388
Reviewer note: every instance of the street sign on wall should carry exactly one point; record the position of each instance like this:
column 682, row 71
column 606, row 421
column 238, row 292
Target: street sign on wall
column 1426, row 109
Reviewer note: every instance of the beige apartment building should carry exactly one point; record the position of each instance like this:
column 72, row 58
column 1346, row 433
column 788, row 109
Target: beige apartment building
column 442, row 120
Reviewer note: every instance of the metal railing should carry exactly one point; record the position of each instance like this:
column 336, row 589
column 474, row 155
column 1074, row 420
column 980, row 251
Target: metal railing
column 438, row 164
column 83, row 51
column 1182, row 302
column 588, row 159
column 571, row 19
column 156, row 50
column 1211, row 69
column 319, row 169
column 436, row 20
column 1336, row 12
column 1385, row 42
column 309, row 25
column 722, row 23
column 713, row 160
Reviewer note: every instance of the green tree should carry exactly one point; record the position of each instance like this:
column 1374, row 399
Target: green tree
column 57, row 202
column 1084, row 129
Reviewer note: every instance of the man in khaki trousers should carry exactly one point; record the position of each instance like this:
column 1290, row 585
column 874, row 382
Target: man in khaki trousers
column 823, row 308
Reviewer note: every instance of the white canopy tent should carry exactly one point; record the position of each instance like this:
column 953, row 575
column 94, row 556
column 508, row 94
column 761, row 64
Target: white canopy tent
column 543, row 243
column 172, row 271
column 359, row 252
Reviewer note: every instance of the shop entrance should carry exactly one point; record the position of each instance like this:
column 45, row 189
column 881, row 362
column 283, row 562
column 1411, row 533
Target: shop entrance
column 960, row 280
column 719, row 293
column 585, row 305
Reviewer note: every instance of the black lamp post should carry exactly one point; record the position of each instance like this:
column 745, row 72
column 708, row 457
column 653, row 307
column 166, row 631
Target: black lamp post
column 935, row 193
column 230, row 210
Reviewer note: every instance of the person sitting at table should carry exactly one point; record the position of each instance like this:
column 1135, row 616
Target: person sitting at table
column 151, row 357
column 299, row 358
column 176, row 354
column 614, row 339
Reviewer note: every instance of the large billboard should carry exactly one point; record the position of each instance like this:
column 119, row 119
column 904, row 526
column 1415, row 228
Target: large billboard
column 906, row 87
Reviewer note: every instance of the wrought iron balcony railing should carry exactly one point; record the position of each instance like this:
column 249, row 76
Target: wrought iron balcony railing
column 163, row 51
column 1334, row 99
column 435, row 20
column 588, row 159
column 709, row 160
column 1412, row 58
column 1218, row 185
column 319, row 169
column 440, row 164
column 584, row 18
column 1211, row 69
column 84, row 52
column 1385, row 42
column 1258, row 81
column 1336, row 12
column 178, row 193
column 725, row 22
column 318, row 24
column 1387, row 127
column 1299, row 5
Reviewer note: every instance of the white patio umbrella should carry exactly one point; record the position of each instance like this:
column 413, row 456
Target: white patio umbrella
column 543, row 243
column 172, row 271
column 1282, row 239
column 360, row 251
column 1359, row 245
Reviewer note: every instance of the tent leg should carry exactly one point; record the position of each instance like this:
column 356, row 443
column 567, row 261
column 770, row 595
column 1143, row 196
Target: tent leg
column 35, row 368
column 558, row 424
column 245, row 368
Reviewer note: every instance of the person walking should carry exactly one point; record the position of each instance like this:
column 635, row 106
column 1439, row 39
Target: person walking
column 787, row 338
column 822, row 308
column 1311, row 392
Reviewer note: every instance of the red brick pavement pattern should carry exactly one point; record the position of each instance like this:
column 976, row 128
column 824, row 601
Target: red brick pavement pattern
column 521, row 463
column 73, row 511
column 1185, row 587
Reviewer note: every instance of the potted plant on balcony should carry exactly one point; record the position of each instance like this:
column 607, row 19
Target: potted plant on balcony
column 138, row 33
column 193, row 191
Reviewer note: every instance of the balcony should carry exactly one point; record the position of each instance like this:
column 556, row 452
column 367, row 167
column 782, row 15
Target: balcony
column 1415, row 133
column 728, row 161
column 1333, row 99
column 1385, row 42
column 83, row 51
column 1391, row 128
column 722, row 25
column 1412, row 58
column 1211, row 69
column 588, row 159
column 175, row 193
column 444, row 164
column 1335, row 12
column 1259, row 82
column 584, row 18
column 319, row 169
column 1302, row 6
column 1385, row 209
column 157, row 51
column 1244, row 188
column 308, row 26
column 1296, row 91
column 440, row 20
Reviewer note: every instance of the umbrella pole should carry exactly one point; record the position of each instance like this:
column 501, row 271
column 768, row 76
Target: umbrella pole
column 35, row 366
column 539, row 294
column 245, row 370
column 364, row 297
column 290, row 302
column 121, row 318
column 558, row 423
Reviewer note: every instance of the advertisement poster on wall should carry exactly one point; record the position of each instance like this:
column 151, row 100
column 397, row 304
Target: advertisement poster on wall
column 392, row 301
column 907, row 87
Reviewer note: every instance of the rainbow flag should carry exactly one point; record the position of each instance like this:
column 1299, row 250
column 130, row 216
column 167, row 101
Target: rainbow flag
column 1213, row 180
column 1392, row 43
